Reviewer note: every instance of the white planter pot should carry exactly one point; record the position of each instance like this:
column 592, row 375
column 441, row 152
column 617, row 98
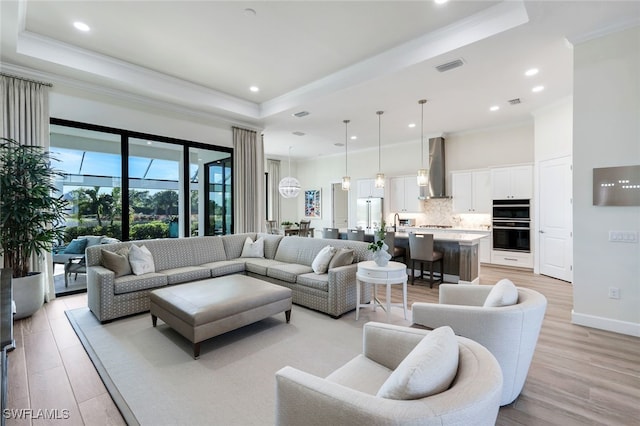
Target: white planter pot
column 28, row 294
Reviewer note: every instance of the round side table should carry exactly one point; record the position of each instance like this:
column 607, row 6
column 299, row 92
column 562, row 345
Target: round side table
column 393, row 273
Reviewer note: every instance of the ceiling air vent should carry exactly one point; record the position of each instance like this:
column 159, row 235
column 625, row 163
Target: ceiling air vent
column 450, row 65
column 298, row 133
column 301, row 114
column 514, row 101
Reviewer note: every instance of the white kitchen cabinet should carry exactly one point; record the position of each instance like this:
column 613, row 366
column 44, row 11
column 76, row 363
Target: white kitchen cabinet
column 404, row 193
column 484, row 251
column 512, row 183
column 367, row 188
column 511, row 258
column 471, row 192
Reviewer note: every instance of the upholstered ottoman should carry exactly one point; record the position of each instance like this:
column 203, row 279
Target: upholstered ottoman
column 203, row 309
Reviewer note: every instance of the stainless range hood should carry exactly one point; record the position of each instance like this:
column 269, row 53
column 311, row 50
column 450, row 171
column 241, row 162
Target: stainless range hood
column 436, row 187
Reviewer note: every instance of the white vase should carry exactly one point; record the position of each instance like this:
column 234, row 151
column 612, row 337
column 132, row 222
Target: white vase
column 28, row 294
column 382, row 256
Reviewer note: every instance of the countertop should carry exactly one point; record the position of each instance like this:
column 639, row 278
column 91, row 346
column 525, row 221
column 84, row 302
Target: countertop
column 465, row 238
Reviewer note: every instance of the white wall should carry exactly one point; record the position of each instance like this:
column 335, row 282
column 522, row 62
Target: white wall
column 86, row 107
column 606, row 133
column 553, row 130
column 497, row 146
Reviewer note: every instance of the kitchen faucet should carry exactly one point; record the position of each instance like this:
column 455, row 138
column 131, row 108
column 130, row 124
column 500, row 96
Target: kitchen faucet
column 395, row 216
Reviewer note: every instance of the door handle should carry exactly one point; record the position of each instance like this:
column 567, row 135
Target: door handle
column 541, row 231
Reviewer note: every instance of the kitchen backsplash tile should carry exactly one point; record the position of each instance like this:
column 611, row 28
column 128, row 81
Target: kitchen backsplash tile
column 439, row 211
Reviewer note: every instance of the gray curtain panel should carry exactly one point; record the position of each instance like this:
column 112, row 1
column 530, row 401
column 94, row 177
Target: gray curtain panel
column 24, row 116
column 248, row 174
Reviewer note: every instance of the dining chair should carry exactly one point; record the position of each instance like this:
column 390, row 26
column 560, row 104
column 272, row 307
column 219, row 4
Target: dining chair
column 395, row 251
column 272, row 227
column 355, row 234
column 332, row 233
column 421, row 250
column 304, row 228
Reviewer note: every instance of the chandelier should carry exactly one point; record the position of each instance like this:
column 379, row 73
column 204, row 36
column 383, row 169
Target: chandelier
column 289, row 186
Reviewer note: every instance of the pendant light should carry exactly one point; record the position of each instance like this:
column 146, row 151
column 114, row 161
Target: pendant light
column 379, row 183
column 346, row 180
column 422, row 173
column 289, row 186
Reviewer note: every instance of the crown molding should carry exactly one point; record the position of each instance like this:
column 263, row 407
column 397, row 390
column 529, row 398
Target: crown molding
column 630, row 22
column 143, row 79
column 120, row 95
column 494, row 20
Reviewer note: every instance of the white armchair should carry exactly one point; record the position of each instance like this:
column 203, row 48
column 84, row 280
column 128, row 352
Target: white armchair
column 509, row 332
column 348, row 395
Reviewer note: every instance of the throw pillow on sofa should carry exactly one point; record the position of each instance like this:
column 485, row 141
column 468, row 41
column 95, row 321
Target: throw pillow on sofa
column 428, row 369
column 253, row 248
column 117, row 261
column 504, row 293
column 141, row 260
column 76, row 246
column 343, row 257
column 321, row 262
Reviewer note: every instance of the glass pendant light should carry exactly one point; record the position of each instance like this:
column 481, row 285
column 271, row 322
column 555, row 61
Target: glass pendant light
column 423, row 178
column 289, row 186
column 346, row 180
column 379, row 183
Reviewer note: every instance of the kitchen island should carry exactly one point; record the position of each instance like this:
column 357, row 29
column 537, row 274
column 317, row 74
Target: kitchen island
column 460, row 251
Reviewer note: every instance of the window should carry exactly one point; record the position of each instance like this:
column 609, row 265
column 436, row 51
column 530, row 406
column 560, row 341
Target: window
column 131, row 185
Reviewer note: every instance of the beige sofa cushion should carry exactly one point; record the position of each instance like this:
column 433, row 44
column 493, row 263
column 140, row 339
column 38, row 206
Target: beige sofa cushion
column 117, row 261
column 428, row 369
column 504, row 293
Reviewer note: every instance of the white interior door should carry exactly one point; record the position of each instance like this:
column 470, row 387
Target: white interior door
column 340, row 203
column 556, row 220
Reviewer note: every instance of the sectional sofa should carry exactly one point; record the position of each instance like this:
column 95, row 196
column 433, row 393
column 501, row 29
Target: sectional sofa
column 286, row 261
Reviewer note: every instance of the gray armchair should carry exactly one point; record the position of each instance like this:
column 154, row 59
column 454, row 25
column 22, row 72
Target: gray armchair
column 348, row 395
column 509, row 332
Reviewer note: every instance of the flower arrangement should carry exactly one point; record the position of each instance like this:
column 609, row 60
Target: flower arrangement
column 378, row 238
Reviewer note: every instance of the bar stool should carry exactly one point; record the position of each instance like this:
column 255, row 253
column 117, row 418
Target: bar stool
column 421, row 250
column 304, row 230
column 332, row 233
column 355, row 234
column 393, row 250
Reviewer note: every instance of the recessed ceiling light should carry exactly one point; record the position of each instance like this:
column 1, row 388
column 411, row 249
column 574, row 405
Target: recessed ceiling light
column 412, row 125
column 531, row 72
column 353, row 138
column 81, row 26
column 537, row 89
column 440, row 1
column 254, row 88
column 494, row 108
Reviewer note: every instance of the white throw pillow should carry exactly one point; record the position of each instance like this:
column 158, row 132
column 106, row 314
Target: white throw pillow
column 141, row 260
column 253, row 248
column 320, row 264
column 428, row 369
column 504, row 293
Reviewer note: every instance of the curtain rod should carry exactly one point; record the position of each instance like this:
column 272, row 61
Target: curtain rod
column 26, row 79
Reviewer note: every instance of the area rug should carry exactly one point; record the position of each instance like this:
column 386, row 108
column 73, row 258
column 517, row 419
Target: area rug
column 154, row 380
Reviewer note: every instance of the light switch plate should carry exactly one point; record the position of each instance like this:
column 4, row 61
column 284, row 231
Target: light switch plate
column 623, row 236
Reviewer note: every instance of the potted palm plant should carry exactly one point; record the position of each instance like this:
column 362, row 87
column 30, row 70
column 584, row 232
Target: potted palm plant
column 31, row 218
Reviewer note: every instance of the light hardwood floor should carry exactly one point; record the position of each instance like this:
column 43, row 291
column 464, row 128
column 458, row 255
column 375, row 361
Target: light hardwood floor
column 579, row 376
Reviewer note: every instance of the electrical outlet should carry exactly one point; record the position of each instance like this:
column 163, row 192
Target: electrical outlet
column 614, row 293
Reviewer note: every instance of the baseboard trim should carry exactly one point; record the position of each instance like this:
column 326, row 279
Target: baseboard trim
column 608, row 324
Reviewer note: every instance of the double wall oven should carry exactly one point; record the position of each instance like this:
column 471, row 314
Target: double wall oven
column 512, row 225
